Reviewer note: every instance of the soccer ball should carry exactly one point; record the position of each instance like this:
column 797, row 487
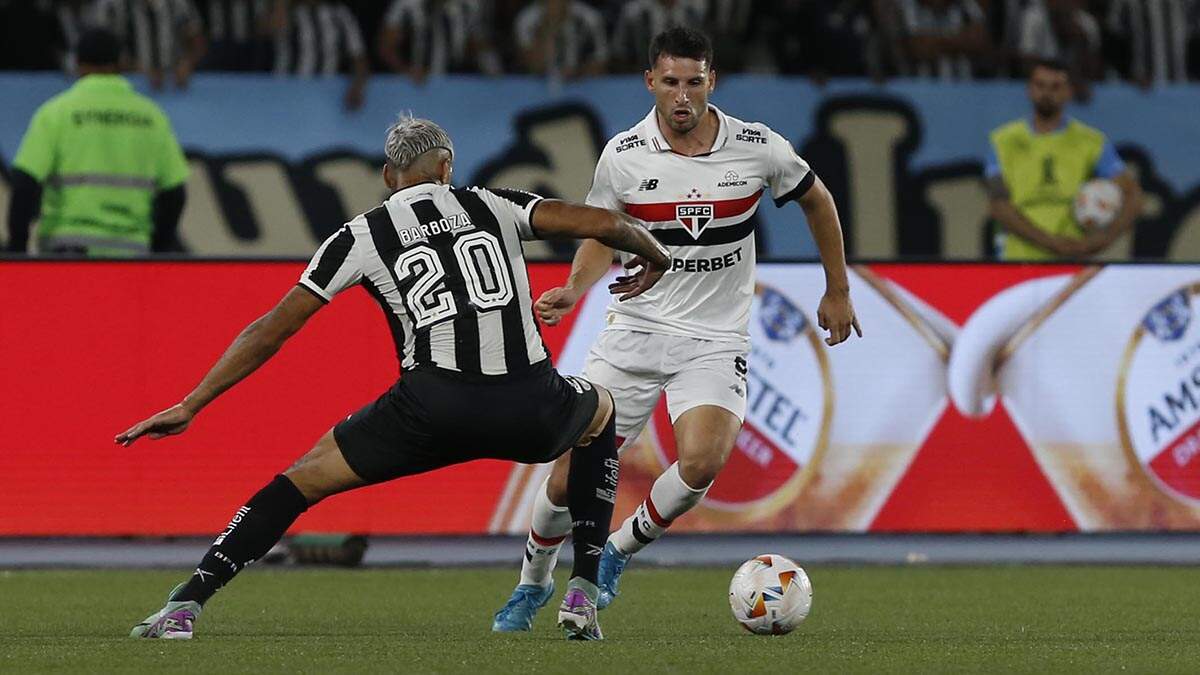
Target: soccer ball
column 770, row 595
column 1097, row 202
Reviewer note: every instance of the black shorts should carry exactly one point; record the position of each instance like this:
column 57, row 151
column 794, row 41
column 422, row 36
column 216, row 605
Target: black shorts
column 433, row 418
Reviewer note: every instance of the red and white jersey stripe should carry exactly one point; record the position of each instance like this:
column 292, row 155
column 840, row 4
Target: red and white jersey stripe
column 700, row 207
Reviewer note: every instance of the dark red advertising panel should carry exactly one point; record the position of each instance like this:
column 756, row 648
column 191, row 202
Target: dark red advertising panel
column 91, row 348
column 982, row 398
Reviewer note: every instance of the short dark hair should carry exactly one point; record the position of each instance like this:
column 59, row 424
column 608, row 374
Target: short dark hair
column 98, row 47
column 1057, row 65
column 681, row 41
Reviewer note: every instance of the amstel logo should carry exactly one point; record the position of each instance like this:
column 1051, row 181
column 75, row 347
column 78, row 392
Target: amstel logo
column 1158, row 395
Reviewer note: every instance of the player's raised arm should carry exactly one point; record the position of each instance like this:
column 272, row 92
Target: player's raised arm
column 336, row 266
column 610, row 229
column 591, row 262
column 257, row 343
column 592, row 259
column 835, row 313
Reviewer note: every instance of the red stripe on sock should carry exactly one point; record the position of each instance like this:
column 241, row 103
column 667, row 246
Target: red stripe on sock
column 546, row 541
column 655, row 515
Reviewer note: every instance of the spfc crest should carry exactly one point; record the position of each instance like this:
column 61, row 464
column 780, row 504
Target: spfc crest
column 694, row 217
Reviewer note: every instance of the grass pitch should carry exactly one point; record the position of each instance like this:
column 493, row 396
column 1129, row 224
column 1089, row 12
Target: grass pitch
column 864, row 620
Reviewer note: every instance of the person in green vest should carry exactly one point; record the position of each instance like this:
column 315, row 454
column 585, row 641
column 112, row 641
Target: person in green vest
column 1036, row 166
column 101, row 164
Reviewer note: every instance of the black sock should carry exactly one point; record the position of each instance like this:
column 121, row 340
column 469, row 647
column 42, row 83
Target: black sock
column 253, row 531
column 591, row 492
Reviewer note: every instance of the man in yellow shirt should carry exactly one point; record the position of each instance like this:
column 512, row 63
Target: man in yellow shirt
column 1036, row 167
column 101, row 164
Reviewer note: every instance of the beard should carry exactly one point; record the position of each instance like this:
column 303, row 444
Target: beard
column 685, row 127
column 1046, row 108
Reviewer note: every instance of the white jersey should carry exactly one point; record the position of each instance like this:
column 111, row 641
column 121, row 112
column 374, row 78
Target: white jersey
column 699, row 207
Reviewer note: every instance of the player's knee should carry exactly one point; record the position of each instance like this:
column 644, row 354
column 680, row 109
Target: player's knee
column 699, row 470
column 605, row 415
column 322, row 471
column 606, row 408
column 307, row 483
column 556, row 484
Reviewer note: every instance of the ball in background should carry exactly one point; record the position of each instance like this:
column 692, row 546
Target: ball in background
column 1097, row 203
column 770, row 595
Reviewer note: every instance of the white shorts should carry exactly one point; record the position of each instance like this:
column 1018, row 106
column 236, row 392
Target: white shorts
column 638, row 367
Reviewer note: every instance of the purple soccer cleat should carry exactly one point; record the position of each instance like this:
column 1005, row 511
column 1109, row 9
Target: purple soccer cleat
column 578, row 614
column 173, row 622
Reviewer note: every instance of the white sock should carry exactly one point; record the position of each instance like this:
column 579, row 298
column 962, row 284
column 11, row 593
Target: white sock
column 669, row 498
column 551, row 525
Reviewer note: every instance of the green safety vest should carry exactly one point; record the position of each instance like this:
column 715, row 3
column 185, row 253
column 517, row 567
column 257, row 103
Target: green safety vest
column 1043, row 173
column 101, row 152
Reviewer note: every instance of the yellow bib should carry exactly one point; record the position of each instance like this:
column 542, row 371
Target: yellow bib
column 1043, row 172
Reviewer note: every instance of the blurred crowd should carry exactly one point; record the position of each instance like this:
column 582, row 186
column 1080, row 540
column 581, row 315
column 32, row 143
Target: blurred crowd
column 1143, row 41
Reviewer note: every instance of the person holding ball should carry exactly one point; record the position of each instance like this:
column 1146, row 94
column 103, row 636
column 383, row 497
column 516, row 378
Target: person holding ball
column 1036, row 167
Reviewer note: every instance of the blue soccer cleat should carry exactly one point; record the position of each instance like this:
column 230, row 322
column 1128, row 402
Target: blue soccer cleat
column 517, row 614
column 612, row 563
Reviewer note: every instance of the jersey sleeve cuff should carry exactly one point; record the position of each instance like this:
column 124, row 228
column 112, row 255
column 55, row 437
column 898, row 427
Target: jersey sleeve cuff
column 312, row 288
column 797, row 192
column 529, row 217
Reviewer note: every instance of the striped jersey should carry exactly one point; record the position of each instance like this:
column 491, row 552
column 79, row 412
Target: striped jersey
column 320, row 39
column 438, row 36
column 445, row 265
column 235, row 21
column 152, row 32
column 700, row 208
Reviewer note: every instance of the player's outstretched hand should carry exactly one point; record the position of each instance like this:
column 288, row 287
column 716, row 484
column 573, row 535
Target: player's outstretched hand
column 836, row 315
column 173, row 420
column 555, row 304
column 632, row 285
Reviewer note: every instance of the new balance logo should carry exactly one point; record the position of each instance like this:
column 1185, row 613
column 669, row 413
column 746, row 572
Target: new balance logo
column 648, row 184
